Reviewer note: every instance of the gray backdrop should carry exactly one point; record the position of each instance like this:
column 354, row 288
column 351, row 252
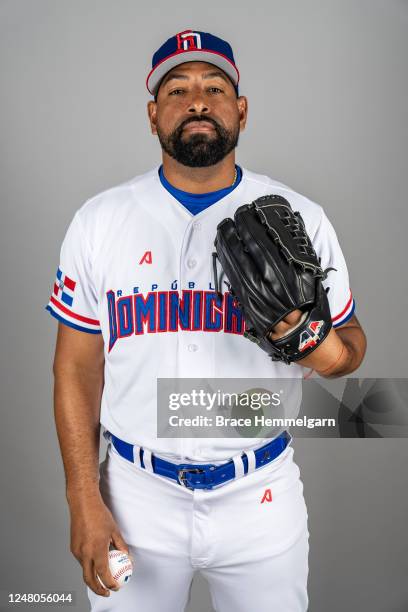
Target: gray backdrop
column 327, row 88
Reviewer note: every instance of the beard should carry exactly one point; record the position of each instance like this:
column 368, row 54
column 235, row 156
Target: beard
column 199, row 150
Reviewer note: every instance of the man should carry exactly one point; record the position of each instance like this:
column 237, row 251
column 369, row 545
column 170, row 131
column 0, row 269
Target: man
column 135, row 276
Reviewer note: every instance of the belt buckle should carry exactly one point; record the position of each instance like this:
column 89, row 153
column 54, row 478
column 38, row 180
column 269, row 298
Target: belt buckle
column 181, row 476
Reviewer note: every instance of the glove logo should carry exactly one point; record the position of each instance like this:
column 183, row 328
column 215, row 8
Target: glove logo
column 310, row 336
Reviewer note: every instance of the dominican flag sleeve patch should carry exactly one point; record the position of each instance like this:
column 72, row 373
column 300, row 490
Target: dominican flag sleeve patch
column 62, row 299
column 64, row 288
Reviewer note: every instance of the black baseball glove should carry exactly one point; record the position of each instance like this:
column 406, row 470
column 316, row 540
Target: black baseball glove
column 272, row 269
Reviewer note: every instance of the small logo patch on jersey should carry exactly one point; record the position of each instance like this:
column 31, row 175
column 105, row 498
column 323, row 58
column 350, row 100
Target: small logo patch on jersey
column 310, row 336
column 64, row 288
column 147, row 258
column 267, row 496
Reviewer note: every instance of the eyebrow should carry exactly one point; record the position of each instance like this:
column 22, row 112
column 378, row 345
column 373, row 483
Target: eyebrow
column 182, row 76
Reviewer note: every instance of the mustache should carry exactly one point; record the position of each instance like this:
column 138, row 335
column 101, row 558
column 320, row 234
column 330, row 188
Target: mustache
column 198, row 118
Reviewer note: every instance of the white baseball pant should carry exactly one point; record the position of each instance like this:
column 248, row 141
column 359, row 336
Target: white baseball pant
column 249, row 538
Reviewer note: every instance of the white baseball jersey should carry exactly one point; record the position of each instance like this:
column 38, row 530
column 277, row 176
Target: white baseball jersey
column 136, row 266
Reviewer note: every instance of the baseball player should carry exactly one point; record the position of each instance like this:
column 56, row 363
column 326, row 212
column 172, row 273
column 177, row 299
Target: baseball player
column 135, row 299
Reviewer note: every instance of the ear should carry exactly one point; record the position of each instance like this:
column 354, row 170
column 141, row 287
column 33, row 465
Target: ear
column 152, row 114
column 242, row 104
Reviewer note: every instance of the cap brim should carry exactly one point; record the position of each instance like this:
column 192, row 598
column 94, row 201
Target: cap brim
column 196, row 55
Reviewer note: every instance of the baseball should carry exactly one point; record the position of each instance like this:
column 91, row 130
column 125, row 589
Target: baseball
column 120, row 567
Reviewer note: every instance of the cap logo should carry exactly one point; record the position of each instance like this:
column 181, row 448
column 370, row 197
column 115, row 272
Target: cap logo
column 188, row 40
column 187, row 46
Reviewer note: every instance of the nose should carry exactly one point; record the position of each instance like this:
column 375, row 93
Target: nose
column 198, row 105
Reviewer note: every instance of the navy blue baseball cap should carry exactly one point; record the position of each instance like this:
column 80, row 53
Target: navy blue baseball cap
column 191, row 46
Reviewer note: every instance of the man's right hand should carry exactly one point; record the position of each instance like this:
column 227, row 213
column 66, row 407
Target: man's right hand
column 93, row 529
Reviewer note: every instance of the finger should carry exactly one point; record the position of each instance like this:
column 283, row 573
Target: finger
column 102, row 569
column 282, row 327
column 293, row 317
column 287, row 324
column 291, row 320
column 279, row 330
column 91, row 580
column 119, row 543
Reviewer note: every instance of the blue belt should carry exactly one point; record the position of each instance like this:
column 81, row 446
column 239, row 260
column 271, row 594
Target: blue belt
column 206, row 476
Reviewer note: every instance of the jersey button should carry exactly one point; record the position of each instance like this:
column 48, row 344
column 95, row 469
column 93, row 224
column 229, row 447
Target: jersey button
column 192, row 348
column 191, row 263
column 197, row 225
